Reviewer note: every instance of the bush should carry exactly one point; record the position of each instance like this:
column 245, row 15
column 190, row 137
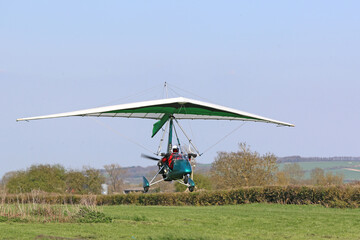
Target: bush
column 335, row 196
column 87, row 215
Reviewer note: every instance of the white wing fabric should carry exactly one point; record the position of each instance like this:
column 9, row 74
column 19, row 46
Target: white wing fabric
column 180, row 108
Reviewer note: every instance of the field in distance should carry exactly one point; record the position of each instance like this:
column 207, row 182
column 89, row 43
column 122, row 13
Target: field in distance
column 349, row 169
column 248, row 221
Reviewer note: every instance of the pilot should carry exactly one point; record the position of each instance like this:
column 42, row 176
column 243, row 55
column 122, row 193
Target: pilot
column 175, row 149
column 169, row 160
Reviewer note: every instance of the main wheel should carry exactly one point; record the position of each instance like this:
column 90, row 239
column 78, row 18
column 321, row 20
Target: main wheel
column 191, row 189
column 186, row 179
column 146, row 189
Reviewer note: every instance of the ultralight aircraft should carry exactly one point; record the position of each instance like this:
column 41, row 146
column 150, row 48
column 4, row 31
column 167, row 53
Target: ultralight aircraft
column 168, row 111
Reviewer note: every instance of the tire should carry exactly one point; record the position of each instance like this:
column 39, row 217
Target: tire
column 146, row 189
column 186, row 179
column 191, row 189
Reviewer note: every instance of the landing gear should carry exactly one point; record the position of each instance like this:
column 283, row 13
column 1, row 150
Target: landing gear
column 189, row 184
column 186, row 178
column 165, row 172
column 146, row 185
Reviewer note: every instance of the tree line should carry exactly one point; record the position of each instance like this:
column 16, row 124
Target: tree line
column 230, row 170
column 247, row 168
column 56, row 179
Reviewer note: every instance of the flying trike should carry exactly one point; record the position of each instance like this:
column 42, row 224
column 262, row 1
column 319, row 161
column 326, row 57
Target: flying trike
column 175, row 164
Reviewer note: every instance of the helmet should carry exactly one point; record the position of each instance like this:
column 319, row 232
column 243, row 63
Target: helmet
column 175, row 148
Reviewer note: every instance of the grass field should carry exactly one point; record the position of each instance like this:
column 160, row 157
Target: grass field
column 248, row 221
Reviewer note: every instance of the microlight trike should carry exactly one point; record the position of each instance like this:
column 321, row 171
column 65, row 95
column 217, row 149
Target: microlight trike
column 168, row 111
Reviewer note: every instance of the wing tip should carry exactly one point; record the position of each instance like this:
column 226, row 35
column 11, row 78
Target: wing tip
column 286, row 125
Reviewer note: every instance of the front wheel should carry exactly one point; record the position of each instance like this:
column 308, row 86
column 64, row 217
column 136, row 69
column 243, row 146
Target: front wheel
column 191, row 189
column 146, row 189
column 186, row 179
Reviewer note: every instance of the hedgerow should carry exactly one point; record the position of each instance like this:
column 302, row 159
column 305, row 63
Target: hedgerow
column 334, row 196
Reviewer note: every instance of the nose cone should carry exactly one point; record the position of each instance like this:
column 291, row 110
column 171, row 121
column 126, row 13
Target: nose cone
column 187, row 168
column 182, row 167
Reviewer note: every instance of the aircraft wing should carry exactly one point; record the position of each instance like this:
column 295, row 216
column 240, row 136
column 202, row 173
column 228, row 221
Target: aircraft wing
column 180, row 108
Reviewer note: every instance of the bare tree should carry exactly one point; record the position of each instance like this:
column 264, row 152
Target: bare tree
column 115, row 177
column 282, row 178
column 318, row 177
column 291, row 174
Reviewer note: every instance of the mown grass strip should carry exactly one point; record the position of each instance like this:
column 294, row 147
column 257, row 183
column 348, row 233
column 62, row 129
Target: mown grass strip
column 248, row 221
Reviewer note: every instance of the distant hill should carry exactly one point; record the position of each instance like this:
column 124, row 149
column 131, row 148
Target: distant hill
column 316, row 159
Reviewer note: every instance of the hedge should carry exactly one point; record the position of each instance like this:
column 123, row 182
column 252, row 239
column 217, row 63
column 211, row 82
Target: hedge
column 335, row 196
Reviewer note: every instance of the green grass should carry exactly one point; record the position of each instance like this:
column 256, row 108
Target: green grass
column 248, row 221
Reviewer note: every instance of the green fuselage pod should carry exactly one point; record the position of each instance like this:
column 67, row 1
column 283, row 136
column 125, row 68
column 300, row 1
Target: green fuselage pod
column 181, row 167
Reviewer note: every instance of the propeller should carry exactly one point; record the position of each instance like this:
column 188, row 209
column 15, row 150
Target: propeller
column 150, row 157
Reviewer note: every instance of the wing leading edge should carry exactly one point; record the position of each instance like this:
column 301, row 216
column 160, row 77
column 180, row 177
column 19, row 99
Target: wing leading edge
column 180, row 108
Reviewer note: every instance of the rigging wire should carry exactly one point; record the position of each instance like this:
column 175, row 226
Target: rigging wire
column 177, row 137
column 175, row 93
column 188, row 92
column 122, row 135
column 162, row 138
column 192, row 133
column 223, row 138
column 187, row 137
column 189, row 123
column 143, row 92
column 165, row 91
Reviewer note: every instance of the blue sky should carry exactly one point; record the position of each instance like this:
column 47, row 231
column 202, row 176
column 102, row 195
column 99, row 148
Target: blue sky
column 294, row 61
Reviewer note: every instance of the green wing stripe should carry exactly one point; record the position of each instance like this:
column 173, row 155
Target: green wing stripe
column 188, row 109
